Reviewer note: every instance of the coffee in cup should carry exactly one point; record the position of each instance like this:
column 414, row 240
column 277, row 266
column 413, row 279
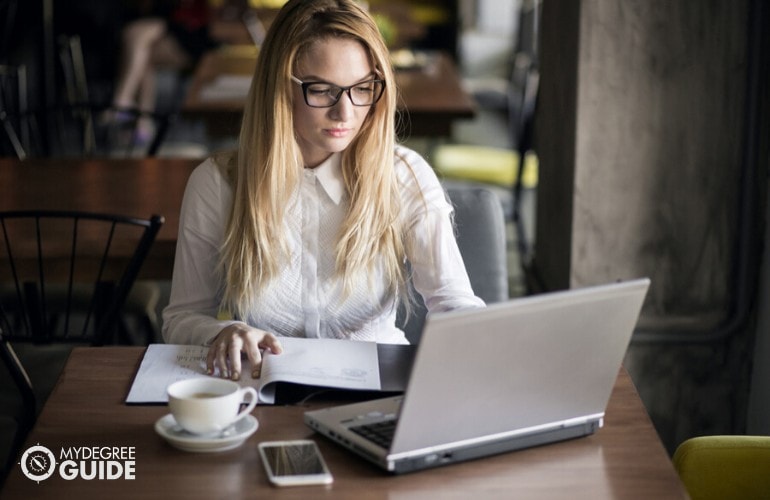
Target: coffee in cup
column 208, row 405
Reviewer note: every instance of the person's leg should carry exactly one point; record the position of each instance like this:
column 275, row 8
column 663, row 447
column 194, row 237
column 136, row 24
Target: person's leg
column 139, row 38
column 147, row 91
column 166, row 53
column 169, row 53
column 145, row 127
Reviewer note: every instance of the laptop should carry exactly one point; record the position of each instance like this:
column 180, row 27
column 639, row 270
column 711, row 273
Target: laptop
column 517, row 374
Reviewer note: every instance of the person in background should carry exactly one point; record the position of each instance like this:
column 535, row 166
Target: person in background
column 307, row 228
column 168, row 34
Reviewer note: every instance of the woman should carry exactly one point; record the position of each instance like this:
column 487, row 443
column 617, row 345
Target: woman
column 306, row 230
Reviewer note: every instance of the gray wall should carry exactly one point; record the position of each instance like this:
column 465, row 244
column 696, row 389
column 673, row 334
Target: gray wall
column 641, row 131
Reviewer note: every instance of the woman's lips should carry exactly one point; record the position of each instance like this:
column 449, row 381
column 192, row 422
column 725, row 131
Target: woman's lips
column 337, row 132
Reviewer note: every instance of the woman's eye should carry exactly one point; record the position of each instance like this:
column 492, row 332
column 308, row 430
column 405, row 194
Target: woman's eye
column 363, row 89
column 318, row 90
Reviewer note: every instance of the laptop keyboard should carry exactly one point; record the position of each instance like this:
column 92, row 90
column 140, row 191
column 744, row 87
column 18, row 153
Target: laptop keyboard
column 380, row 433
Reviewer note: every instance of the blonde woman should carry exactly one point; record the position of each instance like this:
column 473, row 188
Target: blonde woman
column 306, row 229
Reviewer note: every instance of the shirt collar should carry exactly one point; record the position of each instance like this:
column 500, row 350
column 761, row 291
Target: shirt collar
column 329, row 175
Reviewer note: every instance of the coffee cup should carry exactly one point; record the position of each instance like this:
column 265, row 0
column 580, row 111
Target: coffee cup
column 208, row 405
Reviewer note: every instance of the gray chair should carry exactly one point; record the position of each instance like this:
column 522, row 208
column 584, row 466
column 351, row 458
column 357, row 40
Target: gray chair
column 482, row 242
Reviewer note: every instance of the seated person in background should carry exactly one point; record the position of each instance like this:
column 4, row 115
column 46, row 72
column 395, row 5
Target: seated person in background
column 305, row 230
column 170, row 34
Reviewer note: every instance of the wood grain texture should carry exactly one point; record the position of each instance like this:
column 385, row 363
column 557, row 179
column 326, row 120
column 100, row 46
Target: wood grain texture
column 132, row 187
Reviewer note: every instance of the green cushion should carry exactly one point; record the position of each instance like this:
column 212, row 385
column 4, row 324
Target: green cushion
column 484, row 164
column 725, row 467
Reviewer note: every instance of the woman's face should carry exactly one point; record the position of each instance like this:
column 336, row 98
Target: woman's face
column 323, row 131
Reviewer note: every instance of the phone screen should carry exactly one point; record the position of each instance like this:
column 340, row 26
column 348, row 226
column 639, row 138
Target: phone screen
column 294, row 462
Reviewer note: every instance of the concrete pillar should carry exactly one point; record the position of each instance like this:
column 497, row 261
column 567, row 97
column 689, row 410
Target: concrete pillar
column 640, row 133
column 644, row 174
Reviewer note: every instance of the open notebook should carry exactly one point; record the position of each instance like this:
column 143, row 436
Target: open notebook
column 522, row 373
column 306, row 367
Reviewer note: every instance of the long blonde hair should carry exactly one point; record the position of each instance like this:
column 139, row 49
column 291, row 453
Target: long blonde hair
column 268, row 163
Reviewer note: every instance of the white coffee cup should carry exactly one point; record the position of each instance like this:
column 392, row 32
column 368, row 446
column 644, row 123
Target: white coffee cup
column 208, row 405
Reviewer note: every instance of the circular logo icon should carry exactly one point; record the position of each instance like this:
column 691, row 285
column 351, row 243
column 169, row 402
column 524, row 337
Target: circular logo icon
column 38, row 463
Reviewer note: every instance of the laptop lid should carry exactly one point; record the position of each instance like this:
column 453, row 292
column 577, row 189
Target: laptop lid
column 538, row 361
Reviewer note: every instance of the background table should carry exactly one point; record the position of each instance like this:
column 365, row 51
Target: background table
column 625, row 459
column 133, row 187
column 431, row 96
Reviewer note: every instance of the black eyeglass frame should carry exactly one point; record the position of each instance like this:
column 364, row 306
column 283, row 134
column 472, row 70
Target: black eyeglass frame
column 341, row 90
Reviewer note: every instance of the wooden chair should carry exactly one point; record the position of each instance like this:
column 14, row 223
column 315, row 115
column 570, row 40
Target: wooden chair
column 64, row 280
column 14, row 115
column 79, row 126
column 84, row 129
column 56, row 264
column 18, row 414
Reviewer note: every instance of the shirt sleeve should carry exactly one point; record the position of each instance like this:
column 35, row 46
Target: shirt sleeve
column 191, row 315
column 438, row 270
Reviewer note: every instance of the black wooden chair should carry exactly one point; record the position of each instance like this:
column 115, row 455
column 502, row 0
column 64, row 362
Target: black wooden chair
column 19, row 413
column 81, row 126
column 14, row 113
column 64, row 280
column 91, row 130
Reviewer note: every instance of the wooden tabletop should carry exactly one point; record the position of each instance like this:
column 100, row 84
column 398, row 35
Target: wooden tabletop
column 133, row 187
column 624, row 459
column 431, row 94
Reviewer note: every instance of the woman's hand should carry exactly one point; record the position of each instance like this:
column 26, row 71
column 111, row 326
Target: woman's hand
column 225, row 350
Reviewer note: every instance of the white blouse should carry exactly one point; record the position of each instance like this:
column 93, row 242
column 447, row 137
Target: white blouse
column 307, row 298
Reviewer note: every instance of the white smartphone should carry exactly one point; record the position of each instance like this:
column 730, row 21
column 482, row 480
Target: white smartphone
column 294, row 463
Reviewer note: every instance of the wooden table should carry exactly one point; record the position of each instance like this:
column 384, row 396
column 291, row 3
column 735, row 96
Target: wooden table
column 431, row 97
column 133, row 187
column 625, row 459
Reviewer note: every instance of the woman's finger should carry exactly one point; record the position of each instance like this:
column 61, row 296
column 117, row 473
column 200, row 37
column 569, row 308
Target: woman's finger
column 221, row 359
column 234, row 352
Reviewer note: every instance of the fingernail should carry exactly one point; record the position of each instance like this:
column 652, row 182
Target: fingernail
column 210, row 371
column 236, row 376
column 255, row 374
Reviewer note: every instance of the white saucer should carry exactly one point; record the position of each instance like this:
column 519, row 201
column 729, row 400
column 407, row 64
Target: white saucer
column 179, row 438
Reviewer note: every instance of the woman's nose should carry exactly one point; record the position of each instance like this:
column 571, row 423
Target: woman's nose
column 343, row 110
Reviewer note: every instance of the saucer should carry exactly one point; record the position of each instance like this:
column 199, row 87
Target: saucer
column 179, row 438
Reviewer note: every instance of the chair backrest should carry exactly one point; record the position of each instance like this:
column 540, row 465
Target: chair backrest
column 28, row 414
column 482, row 242
column 80, row 126
column 14, row 115
column 65, row 276
column 730, row 466
column 85, row 129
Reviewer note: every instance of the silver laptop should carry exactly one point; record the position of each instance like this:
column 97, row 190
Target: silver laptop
column 517, row 374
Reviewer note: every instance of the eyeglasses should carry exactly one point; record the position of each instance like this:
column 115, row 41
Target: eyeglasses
column 326, row 95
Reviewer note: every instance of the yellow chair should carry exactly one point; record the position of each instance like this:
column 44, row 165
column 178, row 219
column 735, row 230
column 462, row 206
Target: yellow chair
column 499, row 166
column 725, row 467
column 484, row 164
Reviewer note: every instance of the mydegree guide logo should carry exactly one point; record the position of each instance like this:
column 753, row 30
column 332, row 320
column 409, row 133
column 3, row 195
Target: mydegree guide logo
column 38, row 463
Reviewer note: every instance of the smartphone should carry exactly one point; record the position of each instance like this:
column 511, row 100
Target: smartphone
column 294, row 463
